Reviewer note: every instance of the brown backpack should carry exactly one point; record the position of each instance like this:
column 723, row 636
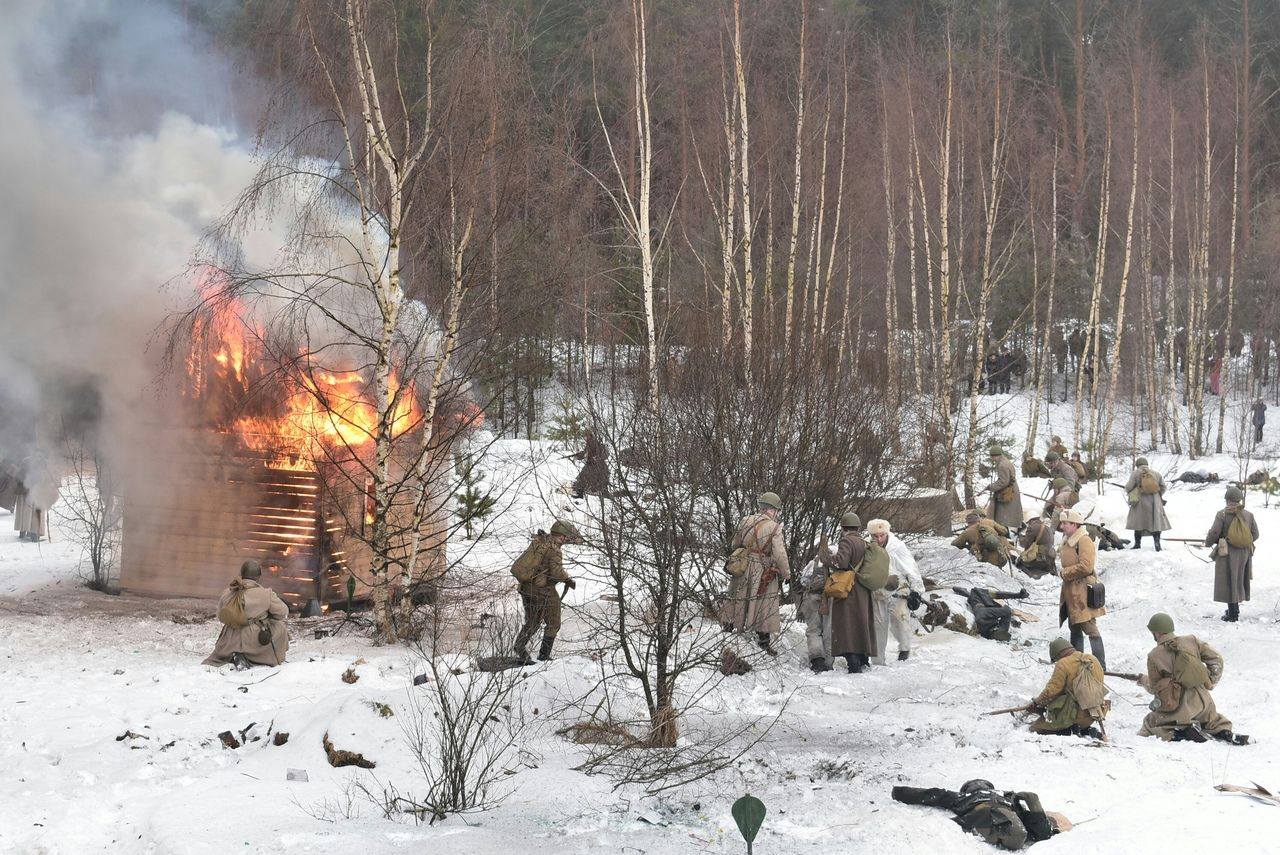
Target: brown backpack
column 1239, row 534
column 1189, row 670
column 1089, row 692
column 232, row 613
column 1080, row 470
column 529, row 565
column 1148, row 483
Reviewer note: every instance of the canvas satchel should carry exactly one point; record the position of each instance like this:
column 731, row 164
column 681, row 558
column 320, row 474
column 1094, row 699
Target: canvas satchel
column 1238, row 533
column 232, row 614
column 839, row 584
column 873, row 574
column 1148, row 483
column 1089, row 692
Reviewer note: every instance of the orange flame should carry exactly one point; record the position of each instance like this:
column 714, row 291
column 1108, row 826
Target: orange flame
column 327, row 412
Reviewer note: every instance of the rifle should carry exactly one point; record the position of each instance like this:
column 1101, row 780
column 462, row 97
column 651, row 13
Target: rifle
column 1114, row 484
column 1023, row 708
column 1137, row 678
column 1192, row 540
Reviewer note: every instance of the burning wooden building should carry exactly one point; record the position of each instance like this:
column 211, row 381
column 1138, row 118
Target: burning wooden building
column 243, row 460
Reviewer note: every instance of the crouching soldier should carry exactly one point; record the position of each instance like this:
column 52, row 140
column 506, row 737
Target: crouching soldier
column 253, row 628
column 1181, row 671
column 1005, row 820
column 538, row 570
column 984, row 538
column 1033, row 467
column 1075, row 696
column 1038, row 557
column 754, row 592
column 815, row 611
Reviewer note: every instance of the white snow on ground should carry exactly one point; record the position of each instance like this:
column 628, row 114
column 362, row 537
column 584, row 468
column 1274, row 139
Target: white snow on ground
column 80, row 669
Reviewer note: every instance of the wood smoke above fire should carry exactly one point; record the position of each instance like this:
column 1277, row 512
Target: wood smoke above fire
column 294, row 411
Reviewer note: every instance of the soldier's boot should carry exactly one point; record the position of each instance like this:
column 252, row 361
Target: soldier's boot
column 544, row 652
column 1190, row 733
column 762, row 639
column 855, row 663
column 1233, row 738
column 1098, row 650
column 240, row 662
column 1233, row 613
column 904, row 655
column 1155, row 535
column 1137, row 540
column 819, row 664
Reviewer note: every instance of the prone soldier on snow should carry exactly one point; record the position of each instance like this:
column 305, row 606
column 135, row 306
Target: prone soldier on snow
column 1074, row 699
column 1181, row 672
column 990, row 619
column 1232, row 536
column 539, row 569
column 1009, row 820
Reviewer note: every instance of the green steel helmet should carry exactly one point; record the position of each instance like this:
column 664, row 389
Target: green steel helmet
column 1057, row 647
column 1052, row 456
column 251, row 569
column 1161, row 624
column 1061, row 483
column 565, row 530
column 1141, row 461
column 977, row 785
column 769, row 500
column 851, row 520
column 996, row 451
column 1235, row 494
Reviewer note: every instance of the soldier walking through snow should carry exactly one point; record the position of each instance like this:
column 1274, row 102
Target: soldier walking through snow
column 539, row 569
column 896, row 601
column 1005, row 506
column 852, row 610
column 1232, row 536
column 753, row 599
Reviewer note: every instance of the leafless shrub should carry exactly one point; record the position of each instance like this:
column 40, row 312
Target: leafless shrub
column 89, row 514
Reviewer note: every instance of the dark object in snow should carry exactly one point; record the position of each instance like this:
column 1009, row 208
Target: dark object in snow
column 129, row 734
column 598, row 733
column 185, row 620
column 748, row 812
column 321, row 633
column 1193, row 476
column 281, row 737
column 116, row 673
column 936, row 614
column 990, row 619
column 733, row 665
column 296, row 775
column 229, row 739
column 338, row 757
column 420, row 680
column 1257, row 478
column 350, row 675
column 1005, row 820
column 312, row 608
column 495, row 663
column 382, row 709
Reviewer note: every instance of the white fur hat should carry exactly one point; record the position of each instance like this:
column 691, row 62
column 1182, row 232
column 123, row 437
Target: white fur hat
column 878, row 527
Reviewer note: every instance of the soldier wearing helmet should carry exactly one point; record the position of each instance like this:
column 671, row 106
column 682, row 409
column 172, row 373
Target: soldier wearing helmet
column 754, row 596
column 538, row 570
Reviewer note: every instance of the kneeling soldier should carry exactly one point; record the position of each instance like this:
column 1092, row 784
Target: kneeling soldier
column 253, row 630
column 1181, row 671
column 1074, row 697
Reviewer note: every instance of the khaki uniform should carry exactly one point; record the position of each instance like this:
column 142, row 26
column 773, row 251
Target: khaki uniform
column 540, row 597
column 1181, row 706
column 1061, row 709
column 753, row 599
column 1034, row 467
column 1078, row 557
column 1060, row 448
column 1148, row 514
column 264, row 609
column 1063, row 469
column 1233, row 572
column 1046, row 558
column 1008, row 513
column 972, row 538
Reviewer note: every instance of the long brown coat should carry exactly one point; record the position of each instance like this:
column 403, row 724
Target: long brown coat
column 1078, row 557
column 853, row 628
column 1148, row 514
column 749, row 606
column 263, row 607
column 1181, row 706
column 1063, row 469
column 1064, row 674
column 594, row 477
column 1233, row 572
column 1008, row 513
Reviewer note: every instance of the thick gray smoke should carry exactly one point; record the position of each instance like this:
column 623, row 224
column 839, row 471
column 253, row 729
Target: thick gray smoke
column 120, row 147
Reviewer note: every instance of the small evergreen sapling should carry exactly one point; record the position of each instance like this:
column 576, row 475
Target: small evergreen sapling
column 567, row 425
column 473, row 502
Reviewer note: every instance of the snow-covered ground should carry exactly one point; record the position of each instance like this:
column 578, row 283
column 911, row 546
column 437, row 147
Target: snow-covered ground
column 80, row 669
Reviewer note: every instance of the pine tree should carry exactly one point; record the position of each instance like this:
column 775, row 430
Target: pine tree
column 568, row 424
column 474, row 503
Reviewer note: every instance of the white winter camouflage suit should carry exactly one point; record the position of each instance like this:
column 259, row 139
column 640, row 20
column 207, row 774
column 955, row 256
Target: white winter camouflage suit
column 891, row 610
